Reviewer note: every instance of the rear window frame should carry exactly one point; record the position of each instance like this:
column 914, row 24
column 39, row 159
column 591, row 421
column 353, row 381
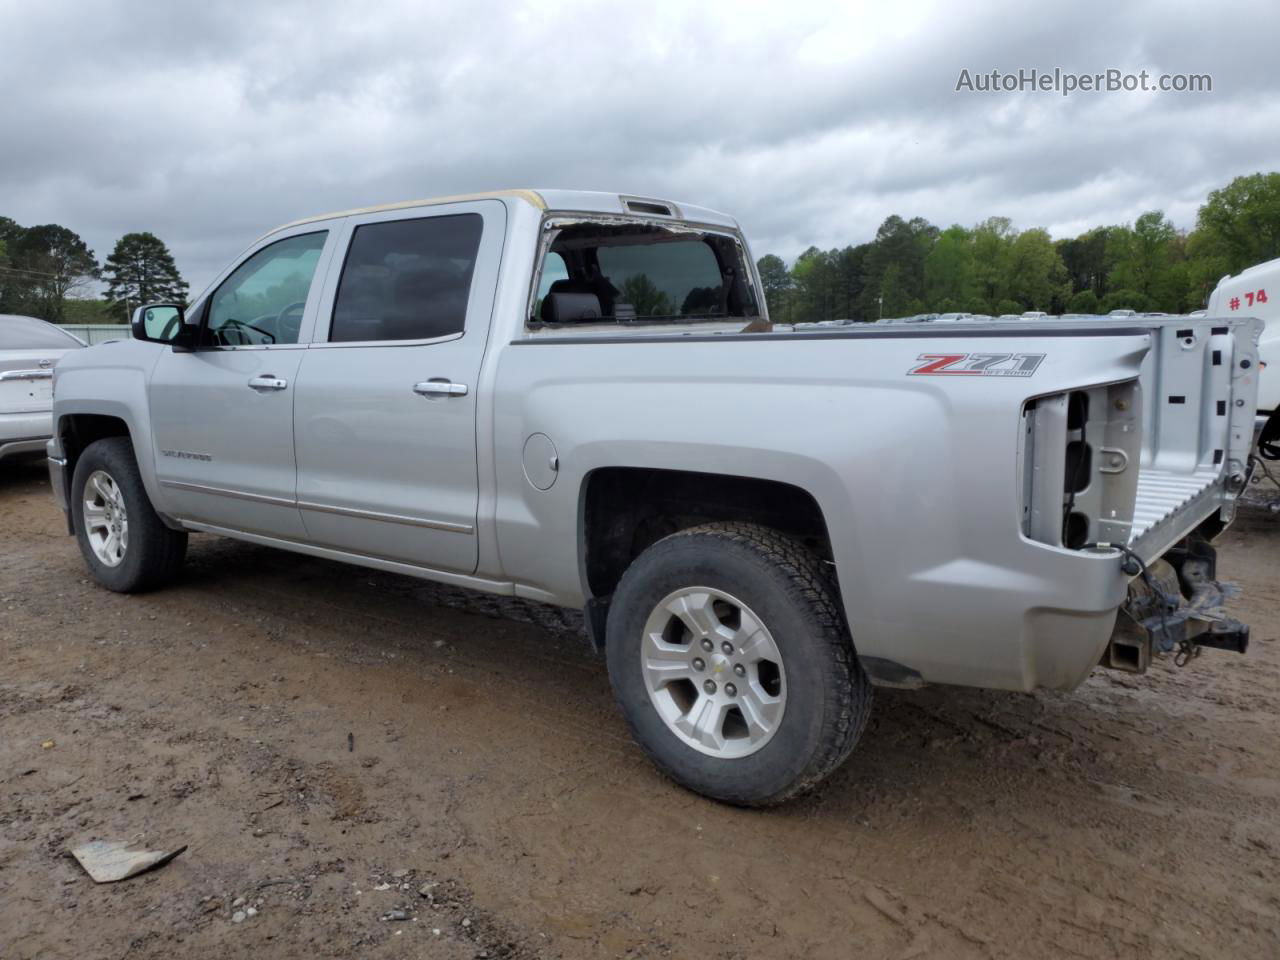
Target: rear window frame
column 554, row 221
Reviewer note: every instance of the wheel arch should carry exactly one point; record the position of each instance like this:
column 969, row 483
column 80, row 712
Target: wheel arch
column 624, row 510
column 75, row 429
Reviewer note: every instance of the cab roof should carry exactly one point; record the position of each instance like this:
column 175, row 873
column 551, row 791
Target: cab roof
column 555, row 201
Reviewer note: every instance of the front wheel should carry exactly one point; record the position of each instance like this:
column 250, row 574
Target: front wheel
column 731, row 662
column 126, row 545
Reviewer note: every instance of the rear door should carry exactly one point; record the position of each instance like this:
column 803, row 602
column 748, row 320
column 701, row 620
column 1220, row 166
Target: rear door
column 222, row 414
column 385, row 411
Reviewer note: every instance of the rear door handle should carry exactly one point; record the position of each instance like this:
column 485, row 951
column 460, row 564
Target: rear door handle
column 440, row 387
column 268, row 382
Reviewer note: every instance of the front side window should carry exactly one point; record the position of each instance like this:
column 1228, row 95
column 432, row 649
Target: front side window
column 262, row 302
column 407, row 279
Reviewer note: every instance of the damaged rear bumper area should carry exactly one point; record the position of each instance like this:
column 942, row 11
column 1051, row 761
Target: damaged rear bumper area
column 1177, row 604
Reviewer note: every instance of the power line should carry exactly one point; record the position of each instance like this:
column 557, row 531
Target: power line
column 30, row 273
column 37, row 273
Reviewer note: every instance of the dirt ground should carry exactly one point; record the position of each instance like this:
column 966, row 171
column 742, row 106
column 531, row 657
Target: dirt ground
column 334, row 745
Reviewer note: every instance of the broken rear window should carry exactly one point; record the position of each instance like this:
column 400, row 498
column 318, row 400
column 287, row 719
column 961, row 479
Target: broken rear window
column 621, row 272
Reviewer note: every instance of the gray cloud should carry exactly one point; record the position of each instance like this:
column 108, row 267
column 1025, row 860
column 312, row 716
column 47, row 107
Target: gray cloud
column 209, row 123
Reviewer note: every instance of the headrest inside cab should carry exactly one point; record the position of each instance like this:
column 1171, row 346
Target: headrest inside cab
column 570, row 307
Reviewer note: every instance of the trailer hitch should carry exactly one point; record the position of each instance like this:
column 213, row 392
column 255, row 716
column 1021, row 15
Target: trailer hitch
column 1178, row 604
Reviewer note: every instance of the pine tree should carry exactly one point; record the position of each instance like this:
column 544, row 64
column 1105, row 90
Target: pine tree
column 141, row 270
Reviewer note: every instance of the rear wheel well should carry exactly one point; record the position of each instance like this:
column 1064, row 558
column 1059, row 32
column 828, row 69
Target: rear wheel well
column 628, row 509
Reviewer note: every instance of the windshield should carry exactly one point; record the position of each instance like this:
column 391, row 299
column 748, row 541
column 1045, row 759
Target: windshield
column 28, row 333
column 642, row 272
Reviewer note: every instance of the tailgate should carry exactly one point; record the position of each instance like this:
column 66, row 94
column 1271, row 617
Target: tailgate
column 1200, row 388
column 1145, row 463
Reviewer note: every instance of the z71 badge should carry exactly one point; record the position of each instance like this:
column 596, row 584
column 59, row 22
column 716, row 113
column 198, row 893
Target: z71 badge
column 976, row 365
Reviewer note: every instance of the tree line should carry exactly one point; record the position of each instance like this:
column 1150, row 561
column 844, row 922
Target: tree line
column 48, row 271
column 913, row 266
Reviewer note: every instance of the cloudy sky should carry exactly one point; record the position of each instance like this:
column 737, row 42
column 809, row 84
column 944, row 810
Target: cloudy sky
column 209, row 122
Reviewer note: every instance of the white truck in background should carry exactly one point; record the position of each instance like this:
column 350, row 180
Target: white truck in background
column 1255, row 292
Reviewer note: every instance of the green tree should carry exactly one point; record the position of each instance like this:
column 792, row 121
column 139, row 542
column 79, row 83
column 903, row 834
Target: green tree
column 1206, row 264
column 1085, row 301
column 12, row 289
column 778, row 285
column 47, row 264
column 895, row 287
column 827, row 284
column 141, row 270
column 848, row 267
column 643, row 294
column 992, row 249
column 815, row 291
column 894, row 267
column 1144, row 256
column 1037, row 277
column 1241, row 222
column 949, row 276
column 1085, row 258
column 88, row 311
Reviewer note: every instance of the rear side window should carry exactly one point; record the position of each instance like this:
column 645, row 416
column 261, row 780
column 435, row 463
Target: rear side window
column 407, row 279
column 28, row 333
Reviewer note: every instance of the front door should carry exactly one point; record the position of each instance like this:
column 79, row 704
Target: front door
column 222, row 414
column 385, row 410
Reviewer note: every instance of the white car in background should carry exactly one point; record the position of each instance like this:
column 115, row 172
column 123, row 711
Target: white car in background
column 28, row 350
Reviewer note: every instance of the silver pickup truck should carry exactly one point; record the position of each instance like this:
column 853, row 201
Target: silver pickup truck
column 578, row 398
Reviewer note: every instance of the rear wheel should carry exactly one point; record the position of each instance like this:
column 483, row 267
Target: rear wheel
column 729, row 657
column 126, row 545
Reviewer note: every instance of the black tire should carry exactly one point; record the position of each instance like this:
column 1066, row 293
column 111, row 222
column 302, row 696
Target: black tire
column 828, row 695
column 154, row 553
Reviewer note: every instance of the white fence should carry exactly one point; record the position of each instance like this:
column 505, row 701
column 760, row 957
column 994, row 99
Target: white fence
column 92, row 333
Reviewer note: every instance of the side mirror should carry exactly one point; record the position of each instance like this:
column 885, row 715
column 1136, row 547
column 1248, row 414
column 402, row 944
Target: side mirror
column 161, row 323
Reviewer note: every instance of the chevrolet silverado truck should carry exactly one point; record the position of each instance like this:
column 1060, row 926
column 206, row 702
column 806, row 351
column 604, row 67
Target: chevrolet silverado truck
column 578, row 398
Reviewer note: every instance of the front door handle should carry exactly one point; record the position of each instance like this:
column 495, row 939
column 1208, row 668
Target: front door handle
column 268, row 382
column 440, row 387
